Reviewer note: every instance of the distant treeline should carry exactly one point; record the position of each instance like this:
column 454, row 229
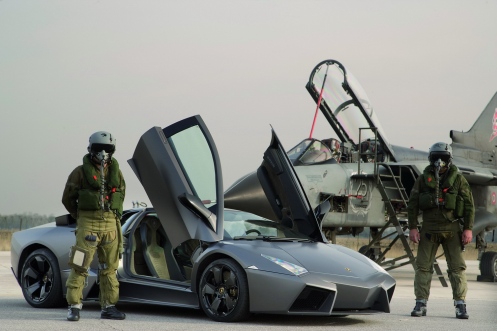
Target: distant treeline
column 23, row 221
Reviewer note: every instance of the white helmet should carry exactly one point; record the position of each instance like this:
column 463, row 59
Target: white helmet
column 102, row 145
column 440, row 151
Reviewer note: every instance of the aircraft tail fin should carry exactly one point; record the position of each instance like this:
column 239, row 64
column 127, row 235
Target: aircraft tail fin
column 483, row 134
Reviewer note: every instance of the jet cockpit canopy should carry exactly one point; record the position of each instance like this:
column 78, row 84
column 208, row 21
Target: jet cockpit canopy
column 345, row 105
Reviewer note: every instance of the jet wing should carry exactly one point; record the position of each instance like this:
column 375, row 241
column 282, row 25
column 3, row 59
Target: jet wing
column 180, row 170
column 345, row 105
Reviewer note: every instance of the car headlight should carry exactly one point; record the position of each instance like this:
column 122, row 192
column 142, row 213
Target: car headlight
column 293, row 268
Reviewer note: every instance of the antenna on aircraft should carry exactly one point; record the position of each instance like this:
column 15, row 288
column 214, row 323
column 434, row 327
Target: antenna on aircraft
column 319, row 102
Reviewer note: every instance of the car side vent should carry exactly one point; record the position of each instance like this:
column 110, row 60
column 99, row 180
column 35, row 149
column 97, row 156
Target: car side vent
column 313, row 299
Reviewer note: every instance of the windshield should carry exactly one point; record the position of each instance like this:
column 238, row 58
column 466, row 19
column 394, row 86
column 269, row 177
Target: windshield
column 244, row 225
column 310, row 151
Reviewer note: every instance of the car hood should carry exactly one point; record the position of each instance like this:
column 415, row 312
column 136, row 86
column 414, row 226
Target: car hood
column 341, row 260
column 315, row 257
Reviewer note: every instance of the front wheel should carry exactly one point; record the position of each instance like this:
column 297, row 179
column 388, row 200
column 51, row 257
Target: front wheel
column 40, row 280
column 223, row 292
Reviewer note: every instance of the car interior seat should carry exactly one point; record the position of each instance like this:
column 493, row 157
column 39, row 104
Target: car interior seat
column 138, row 263
column 153, row 251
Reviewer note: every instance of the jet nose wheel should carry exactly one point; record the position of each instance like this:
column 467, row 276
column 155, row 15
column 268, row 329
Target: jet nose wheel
column 223, row 293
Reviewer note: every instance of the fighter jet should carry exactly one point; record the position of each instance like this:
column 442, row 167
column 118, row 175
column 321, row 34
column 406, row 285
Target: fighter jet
column 367, row 180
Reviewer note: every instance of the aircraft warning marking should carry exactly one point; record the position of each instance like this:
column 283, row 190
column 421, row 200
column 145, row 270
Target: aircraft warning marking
column 494, row 126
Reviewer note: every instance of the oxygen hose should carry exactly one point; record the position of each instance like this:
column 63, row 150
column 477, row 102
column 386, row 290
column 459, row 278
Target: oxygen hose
column 102, row 185
column 437, row 177
column 103, row 160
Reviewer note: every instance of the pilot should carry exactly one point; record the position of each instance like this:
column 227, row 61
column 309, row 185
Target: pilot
column 94, row 195
column 444, row 196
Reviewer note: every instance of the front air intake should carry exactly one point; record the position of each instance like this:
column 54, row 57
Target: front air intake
column 313, row 299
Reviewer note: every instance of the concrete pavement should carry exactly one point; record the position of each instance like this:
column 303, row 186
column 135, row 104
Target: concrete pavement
column 17, row 314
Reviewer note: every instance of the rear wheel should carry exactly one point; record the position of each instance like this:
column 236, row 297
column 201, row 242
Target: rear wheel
column 40, row 280
column 488, row 264
column 223, row 292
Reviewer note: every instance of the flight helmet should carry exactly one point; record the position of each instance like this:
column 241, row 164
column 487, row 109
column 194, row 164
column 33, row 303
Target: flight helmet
column 440, row 155
column 102, row 145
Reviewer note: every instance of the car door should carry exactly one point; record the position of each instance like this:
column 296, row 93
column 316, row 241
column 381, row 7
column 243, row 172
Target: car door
column 180, row 171
column 284, row 191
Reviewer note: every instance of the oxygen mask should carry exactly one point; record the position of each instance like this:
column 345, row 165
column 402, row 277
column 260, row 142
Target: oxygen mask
column 102, row 157
column 440, row 162
column 102, row 153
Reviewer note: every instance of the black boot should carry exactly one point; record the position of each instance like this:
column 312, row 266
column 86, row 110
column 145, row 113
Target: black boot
column 419, row 310
column 73, row 314
column 461, row 312
column 112, row 313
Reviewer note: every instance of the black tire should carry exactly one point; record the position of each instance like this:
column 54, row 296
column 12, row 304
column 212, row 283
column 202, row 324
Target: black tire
column 223, row 292
column 40, row 280
column 488, row 264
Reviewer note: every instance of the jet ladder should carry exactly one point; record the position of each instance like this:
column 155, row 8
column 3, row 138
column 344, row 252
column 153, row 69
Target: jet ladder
column 389, row 179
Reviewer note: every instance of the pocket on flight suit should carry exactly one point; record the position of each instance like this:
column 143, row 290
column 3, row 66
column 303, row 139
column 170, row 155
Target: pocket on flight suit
column 108, row 251
column 108, row 238
column 426, row 201
column 109, row 290
column 81, row 254
column 79, row 258
column 459, row 211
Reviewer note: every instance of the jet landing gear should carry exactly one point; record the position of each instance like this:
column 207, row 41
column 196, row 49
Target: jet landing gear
column 374, row 250
column 488, row 260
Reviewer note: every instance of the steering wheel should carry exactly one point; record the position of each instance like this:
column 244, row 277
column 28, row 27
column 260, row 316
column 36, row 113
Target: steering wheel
column 252, row 231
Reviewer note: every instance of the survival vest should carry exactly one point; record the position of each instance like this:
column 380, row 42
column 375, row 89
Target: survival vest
column 89, row 194
column 447, row 196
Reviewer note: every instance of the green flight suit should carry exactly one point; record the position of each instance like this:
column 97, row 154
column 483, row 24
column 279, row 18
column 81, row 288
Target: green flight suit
column 441, row 226
column 97, row 230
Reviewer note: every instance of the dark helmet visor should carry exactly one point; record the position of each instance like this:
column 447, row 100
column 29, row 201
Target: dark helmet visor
column 103, row 147
column 442, row 156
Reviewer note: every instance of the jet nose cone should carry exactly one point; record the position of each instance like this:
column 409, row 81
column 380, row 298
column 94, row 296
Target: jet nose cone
column 247, row 194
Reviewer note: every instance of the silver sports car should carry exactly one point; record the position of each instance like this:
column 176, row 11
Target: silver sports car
column 189, row 251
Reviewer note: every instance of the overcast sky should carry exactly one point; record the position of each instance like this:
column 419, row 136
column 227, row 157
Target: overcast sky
column 70, row 68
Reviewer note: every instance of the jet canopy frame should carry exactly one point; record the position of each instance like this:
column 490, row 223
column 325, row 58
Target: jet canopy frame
column 345, row 105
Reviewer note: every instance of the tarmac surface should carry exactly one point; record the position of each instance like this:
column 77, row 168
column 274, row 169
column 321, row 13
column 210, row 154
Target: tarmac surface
column 17, row 314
